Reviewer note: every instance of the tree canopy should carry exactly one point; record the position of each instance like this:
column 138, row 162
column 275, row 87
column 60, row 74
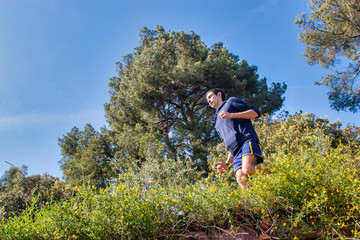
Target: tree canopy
column 331, row 35
column 158, row 99
column 17, row 191
column 86, row 157
column 157, row 111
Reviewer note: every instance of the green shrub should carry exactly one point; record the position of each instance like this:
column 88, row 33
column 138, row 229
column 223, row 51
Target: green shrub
column 290, row 134
column 308, row 193
column 314, row 192
column 311, row 193
column 19, row 191
column 124, row 211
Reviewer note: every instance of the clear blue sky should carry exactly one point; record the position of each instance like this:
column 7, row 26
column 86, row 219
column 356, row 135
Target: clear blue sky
column 56, row 57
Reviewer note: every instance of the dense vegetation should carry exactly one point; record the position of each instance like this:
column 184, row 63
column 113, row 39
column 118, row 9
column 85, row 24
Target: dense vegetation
column 17, row 191
column 157, row 107
column 150, row 174
column 314, row 191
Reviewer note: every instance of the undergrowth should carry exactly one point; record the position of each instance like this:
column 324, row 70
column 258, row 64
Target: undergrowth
column 309, row 192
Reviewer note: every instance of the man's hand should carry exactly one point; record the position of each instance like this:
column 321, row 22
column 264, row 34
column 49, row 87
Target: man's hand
column 224, row 114
column 221, row 168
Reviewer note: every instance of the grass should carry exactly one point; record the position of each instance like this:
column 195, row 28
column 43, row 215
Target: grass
column 126, row 212
column 312, row 193
column 309, row 193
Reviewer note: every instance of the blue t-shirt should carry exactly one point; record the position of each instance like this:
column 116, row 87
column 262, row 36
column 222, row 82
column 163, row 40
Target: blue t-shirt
column 234, row 132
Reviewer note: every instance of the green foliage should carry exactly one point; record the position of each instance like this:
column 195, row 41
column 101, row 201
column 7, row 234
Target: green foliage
column 8, row 177
column 19, row 191
column 124, row 211
column 86, row 157
column 161, row 85
column 219, row 154
column 290, row 133
column 166, row 172
column 135, row 145
column 169, row 172
column 313, row 192
column 157, row 110
column 332, row 34
column 308, row 194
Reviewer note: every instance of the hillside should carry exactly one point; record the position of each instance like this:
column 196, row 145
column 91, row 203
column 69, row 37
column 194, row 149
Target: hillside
column 309, row 193
column 312, row 192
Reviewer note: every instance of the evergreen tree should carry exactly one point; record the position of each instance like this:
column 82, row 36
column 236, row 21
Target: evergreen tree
column 157, row 99
column 331, row 35
column 86, row 157
column 19, row 191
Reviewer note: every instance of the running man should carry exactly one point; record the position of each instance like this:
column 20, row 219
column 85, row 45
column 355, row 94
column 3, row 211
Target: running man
column 234, row 126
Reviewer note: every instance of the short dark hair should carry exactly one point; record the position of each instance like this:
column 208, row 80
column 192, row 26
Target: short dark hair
column 216, row 91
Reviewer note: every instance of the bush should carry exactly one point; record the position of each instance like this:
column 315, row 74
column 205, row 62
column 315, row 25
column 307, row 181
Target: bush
column 290, row 134
column 314, row 192
column 311, row 193
column 124, row 211
column 19, row 191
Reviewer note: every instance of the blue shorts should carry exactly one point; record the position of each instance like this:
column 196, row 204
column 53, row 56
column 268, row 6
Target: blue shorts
column 248, row 148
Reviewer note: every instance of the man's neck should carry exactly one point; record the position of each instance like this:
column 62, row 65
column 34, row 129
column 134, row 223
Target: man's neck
column 220, row 103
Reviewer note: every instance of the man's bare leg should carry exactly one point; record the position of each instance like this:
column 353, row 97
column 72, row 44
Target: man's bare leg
column 247, row 169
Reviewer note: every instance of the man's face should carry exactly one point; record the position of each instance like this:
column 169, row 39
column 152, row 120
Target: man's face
column 214, row 100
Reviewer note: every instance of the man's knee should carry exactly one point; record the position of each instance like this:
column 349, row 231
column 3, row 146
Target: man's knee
column 240, row 176
column 248, row 170
column 249, row 164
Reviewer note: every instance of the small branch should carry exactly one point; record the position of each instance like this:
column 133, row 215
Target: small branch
column 353, row 79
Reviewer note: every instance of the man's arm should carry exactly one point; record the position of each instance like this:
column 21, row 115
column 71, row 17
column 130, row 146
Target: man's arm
column 221, row 167
column 230, row 159
column 248, row 114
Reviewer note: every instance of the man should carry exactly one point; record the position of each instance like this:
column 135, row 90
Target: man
column 233, row 124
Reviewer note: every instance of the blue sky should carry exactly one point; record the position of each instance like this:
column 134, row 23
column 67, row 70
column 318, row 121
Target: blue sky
column 56, row 57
